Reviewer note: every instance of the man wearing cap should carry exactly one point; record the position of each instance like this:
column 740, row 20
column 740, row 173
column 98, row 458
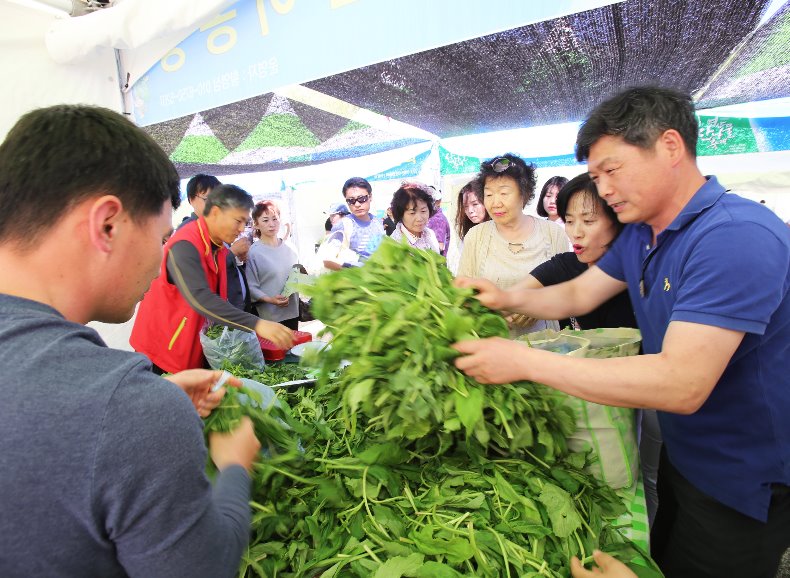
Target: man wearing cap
column 439, row 223
column 336, row 212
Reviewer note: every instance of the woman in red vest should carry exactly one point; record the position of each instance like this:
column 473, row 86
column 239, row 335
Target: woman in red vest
column 192, row 288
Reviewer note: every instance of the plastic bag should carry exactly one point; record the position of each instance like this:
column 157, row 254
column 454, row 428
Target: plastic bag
column 335, row 249
column 554, row 341
column 609, row 431
column 609, row 342
column 296, row 281
column 237, row 347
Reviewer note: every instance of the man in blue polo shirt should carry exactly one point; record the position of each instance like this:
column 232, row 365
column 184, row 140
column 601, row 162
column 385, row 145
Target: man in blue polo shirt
column 708, row 274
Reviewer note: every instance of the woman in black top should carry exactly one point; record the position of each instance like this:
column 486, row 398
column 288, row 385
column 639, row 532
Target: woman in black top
column 592, row 227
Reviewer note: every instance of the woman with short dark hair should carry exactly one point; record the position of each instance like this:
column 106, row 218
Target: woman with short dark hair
column 412, row 206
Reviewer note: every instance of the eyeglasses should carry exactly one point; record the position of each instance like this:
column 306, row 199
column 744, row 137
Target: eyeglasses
column 502, row 164
column 358, row 201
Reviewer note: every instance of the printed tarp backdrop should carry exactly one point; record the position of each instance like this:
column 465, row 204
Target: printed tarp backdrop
column 541, row 73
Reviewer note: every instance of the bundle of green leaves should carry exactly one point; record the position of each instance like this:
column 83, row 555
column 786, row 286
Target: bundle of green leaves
column 420, row 471
column 395, row 319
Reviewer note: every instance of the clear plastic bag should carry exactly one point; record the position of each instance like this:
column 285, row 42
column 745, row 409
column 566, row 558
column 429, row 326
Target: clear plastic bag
column 236, row 346
column 335, row 249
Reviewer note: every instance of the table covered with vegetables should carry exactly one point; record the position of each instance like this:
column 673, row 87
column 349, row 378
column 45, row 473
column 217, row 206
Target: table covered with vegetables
column 396, row 464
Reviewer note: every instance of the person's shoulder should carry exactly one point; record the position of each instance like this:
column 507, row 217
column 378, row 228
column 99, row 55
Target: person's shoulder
column 141, row 390
column 478, row 231
column 550, row 228
column 289, row 247
column 736, row 209
column 561, row 267
column 569, row 260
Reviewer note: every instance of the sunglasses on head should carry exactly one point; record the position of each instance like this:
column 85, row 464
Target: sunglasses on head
column 358, row 201
column 502, row 164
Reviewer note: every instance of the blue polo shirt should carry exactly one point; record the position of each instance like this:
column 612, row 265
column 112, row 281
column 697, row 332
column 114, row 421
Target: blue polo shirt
column 724, row 261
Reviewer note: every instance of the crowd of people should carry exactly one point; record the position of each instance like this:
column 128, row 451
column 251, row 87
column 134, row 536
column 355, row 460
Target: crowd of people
column 640, row 240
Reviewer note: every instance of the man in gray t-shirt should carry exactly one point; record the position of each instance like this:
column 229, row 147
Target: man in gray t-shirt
column 101, row 462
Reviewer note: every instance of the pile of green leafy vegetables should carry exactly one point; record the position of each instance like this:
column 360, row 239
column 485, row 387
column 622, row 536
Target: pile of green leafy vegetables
column 399, row 465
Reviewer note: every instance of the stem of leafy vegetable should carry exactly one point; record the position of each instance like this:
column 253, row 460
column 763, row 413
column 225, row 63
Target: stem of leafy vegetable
column 537, row 459
column 504, row 553
column 371, row 553
column 478, row 554
column 579, row 542
column 367, row 506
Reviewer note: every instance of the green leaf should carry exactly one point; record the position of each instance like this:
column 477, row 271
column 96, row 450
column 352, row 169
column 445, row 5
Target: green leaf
column 358, row 392
column 431, row 569
column 456, row 549
column 400, row 566
column 386, row 454
column 469, row 408
column 562, row 513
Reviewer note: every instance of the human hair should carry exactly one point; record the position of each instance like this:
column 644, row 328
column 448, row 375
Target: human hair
column 584, row 185
column 200, row 183
column 227, row 197
column 409, row 193
column 260, row 208
column 56, row 157
column 328, row 225
column 462, row 222
column 357, row 182
column 558, row 182
column 522, row 172
column 640, row 115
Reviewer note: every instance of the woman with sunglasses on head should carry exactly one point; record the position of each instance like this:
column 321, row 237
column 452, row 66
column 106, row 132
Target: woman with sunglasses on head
column 360, row 231
column 547, row 202
column 505, row 249
column 412, row 206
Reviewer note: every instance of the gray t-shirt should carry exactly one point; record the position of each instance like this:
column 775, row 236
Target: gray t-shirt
column 102, row 462
column 267, row 271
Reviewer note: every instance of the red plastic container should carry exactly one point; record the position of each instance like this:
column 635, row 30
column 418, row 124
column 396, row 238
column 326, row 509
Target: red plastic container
column 273, row 353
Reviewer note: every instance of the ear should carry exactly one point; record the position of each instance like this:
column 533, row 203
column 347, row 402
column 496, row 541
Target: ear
column 105, row 216
column 673, row 145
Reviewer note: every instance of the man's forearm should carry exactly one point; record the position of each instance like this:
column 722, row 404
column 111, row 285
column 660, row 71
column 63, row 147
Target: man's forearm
column 553, row 302
column 678, row 379
column 576, row 297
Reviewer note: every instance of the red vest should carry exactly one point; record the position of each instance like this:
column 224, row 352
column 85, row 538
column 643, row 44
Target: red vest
column 167, row 328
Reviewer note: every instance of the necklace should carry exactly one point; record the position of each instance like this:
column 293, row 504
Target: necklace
column 517, row 248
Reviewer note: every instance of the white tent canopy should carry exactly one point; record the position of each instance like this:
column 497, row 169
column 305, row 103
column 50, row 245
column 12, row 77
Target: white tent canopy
column 51, row 58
